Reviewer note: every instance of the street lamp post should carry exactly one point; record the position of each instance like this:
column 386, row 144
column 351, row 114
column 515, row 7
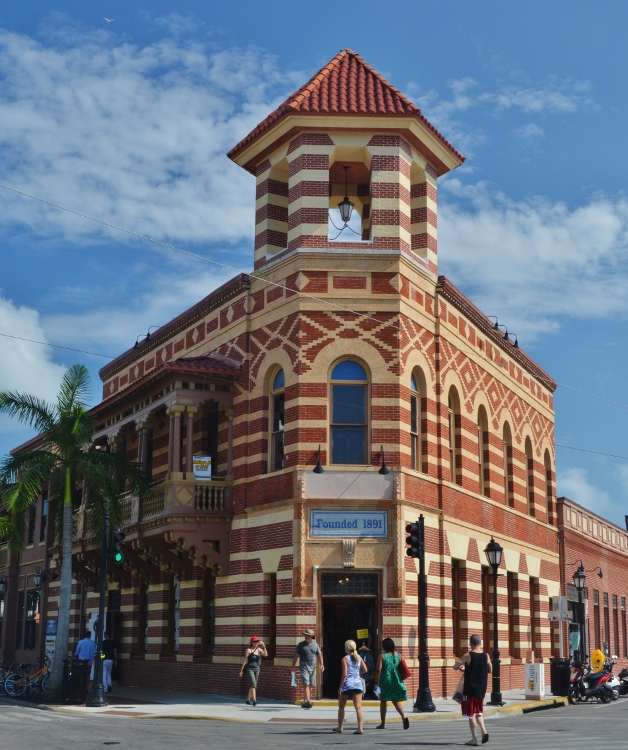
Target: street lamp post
column 579, row 579
column 97, row 696
column 493, row 553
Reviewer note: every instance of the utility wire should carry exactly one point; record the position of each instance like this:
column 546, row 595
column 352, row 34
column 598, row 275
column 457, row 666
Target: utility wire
column 56, row 346
column 584, row 450
column 342, row 308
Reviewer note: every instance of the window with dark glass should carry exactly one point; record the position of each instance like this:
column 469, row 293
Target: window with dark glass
column 548, row 484
column 455, row 607
column 277, row 398
column 415, row 425
column 142, row 618
column 596, row 618
column 31, row 628
column 212, row 436
column 271, row 646
column 487, row 583
column 529, row 476
column 510, row 583
column 150, row 445
column 32, row 522
column 624, row 630
column 43, row 521
column 534, row 592
column 349, row 413
column 507, row 458
column 607, row 623
column 615, row 625
column 483, row 470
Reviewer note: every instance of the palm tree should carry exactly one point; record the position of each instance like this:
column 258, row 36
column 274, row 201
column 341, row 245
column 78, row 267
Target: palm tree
column 65, row 461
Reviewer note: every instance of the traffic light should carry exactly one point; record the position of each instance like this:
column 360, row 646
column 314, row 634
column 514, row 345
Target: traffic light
column 117, row 545
column 413, row 540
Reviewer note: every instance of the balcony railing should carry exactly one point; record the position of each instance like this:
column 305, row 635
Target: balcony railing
column 179, row 496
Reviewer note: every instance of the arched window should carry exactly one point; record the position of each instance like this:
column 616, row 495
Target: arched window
column 277, row 399
column 507, row 460
column 547, row 463
column 483, row 468
column 349, row 426
column 453, row 425
column 415, row 424
column 529, row 476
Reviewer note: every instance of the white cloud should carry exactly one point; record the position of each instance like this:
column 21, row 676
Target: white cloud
column 529, row 133
column 24, row 367
column 134, row 135
column 574, row 484
column 535, row 262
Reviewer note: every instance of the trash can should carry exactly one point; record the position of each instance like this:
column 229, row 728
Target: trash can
column 560, row 672
column 75, row 673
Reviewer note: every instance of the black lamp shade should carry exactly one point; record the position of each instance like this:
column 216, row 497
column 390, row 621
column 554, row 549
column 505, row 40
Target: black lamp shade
column 37, row 576
column 579, row 578
column 345, row 207
column 493, row 553
column 2, row 585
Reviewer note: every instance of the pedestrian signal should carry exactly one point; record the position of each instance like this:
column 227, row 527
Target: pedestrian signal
column 413, row 540
column 117, row 547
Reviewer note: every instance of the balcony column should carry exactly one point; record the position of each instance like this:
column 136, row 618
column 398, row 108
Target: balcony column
column 170, row 439
column 189, row 448
column 175, row 431
column 140, row 428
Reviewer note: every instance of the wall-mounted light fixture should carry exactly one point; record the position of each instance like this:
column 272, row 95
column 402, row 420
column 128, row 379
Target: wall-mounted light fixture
column 383, row 469
column 41, row 576
column 318, row 469
column 3, row 585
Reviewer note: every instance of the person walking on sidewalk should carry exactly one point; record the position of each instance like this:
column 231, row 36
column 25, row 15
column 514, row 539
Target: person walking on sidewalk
column 308, row 652
column 110, row 652
column 85, row 651
column 351, row 685
column 390, row 683
column 477, row 668
column 251, row 665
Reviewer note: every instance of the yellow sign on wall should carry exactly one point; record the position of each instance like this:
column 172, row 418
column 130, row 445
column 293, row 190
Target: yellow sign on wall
column 362, row 634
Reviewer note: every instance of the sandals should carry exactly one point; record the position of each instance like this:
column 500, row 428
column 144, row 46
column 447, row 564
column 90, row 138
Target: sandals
column 406, row 723
column 381, row 726
column 472, row 743
column 336, row 730
column 357, row 731
column 485, row 738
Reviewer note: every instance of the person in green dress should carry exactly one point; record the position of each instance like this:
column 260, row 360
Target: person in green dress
column 390, row 683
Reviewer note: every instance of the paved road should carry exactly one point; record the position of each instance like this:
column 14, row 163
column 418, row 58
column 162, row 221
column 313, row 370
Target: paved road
column 569, row 728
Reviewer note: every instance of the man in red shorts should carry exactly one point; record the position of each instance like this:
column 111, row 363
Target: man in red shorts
column 477, row 667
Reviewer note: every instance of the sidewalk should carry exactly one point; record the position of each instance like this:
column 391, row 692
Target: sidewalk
column 149, row 703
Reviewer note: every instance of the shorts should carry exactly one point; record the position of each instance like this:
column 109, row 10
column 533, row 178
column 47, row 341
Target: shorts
column 353, row 691
column 471, row 706
column 253, row 675
column 308, row 674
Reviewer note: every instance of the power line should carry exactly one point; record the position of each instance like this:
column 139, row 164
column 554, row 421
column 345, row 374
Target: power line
column 342, row 308
column 56, row 346
column 585, row 450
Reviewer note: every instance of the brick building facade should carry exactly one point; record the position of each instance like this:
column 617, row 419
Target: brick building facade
column 352, row 352
column 602, row 549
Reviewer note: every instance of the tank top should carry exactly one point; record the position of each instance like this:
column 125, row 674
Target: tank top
column 253, row 660
column 353, row 680
column 476, row 675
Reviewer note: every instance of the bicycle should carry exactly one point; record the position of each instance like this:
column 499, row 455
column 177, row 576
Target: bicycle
column 6, row 667
column 18, row 682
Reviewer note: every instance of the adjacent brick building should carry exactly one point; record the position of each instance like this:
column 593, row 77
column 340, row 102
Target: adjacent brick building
column 349, row 352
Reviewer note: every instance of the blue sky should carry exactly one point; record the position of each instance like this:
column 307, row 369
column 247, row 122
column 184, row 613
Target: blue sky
column 130, row 122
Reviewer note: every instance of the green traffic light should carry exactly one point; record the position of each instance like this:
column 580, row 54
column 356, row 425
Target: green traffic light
column 119, row 557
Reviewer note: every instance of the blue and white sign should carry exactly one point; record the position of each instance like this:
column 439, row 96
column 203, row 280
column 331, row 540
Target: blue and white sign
column 349, row 523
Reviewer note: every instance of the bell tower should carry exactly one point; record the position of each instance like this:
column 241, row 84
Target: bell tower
column 346, row 137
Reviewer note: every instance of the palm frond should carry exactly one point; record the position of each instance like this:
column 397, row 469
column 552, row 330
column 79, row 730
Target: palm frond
column 5, row 526
column 28, row 409
column 74, row 390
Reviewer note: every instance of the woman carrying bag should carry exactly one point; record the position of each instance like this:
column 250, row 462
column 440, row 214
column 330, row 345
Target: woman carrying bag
column 390, row 683
column 251, row 665
column 351, row 685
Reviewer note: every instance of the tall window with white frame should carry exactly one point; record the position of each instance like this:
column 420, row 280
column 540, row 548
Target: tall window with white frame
column 529, row 476
column 415, row 423
column 483, row 475
column 277, row 400
column 507, row 458
column 349, row 408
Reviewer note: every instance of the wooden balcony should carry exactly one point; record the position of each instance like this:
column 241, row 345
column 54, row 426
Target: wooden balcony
column 180, row 497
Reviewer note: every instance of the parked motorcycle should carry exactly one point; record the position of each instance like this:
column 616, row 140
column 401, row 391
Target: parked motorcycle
column 623, row 682
column 585, row 684
column 613, row 681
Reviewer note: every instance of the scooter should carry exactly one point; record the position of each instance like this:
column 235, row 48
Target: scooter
column 585, row 684
column 623, row 682
column 613, row 681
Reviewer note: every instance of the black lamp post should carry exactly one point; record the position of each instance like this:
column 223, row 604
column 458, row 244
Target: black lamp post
column 97, row 696
column 579, row 579
column 494, row 556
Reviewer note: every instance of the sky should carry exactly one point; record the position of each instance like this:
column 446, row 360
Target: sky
column 129, row 121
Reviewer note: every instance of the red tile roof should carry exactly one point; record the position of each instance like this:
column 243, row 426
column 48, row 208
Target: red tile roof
column 345, row 86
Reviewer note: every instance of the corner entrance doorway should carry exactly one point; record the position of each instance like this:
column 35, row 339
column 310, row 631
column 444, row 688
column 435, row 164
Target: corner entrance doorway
column 350, row 609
